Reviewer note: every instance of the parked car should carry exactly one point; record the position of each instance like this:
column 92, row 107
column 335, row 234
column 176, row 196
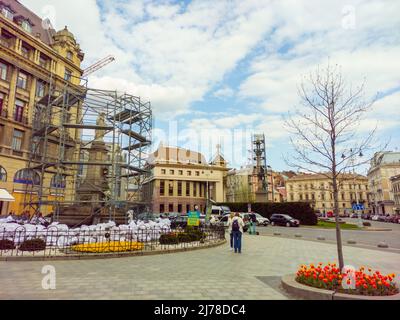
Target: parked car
column 179, row 222
column 375, row 218
column 261, row 221
column 366, row 216
column 284, row 220
column 382, row 218
column 354, row 216
column 220, row 210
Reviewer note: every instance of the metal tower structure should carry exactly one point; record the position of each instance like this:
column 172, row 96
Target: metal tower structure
column 260, row 162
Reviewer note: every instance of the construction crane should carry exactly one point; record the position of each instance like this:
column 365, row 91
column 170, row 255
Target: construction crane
column 98, row 65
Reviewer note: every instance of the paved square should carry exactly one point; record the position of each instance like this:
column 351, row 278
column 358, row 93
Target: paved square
column 207, row 274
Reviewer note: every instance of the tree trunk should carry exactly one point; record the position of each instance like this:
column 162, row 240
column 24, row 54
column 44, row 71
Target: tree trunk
column 336, row 212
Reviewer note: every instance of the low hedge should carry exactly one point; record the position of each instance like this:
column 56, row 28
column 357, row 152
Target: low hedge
column 190, row 235
column 33, row 245
column 7, row 245
column 298, row 210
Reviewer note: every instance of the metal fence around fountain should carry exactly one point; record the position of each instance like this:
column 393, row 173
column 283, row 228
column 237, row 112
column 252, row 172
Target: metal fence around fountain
column 54, row 242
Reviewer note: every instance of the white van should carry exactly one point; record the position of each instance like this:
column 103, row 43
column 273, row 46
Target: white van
column 220, row 210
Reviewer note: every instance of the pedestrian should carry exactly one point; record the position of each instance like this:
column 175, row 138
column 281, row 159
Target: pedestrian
column 237, row 230
column 231, row 216
column 253, row 223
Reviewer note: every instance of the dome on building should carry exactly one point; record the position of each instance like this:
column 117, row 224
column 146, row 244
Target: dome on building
column 65, row 34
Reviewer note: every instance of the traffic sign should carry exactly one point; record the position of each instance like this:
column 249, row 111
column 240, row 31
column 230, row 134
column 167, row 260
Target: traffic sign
column 359, row 206
column 193, row 218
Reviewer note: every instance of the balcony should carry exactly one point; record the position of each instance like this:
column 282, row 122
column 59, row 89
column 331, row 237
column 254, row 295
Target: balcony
column 8, row 43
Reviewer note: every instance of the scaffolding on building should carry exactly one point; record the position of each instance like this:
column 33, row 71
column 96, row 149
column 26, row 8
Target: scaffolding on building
column 260, row 161
column 65, row 125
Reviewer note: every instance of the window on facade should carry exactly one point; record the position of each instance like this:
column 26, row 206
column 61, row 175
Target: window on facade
column 27, row 176
column 187, row 208
column 312, row 196
column 25, row 52
column 194, row 189
column 162, row 188
column 189, row 173
column 187, row 189
column 18, row 137
column 291, row 197
column 3, row 71
column 43, row 61
column 58, row 181
column 2, row 97
column 68, row 75
column 22, row 80
column 197, row 173
column 179, row 188
column 323, row 196
column 170, row 207
column 171, row 188
column 171, row 171
column 40, row 89
column 69, row 55
column 301, row 197
column 162, row 208
column 3, row 174
column 19, row 110
column 180, row 172
column 163, row 171
column 7, row 13
column 179, row 208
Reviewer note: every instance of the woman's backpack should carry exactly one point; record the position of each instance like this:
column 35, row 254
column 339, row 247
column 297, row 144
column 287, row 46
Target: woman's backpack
column 235, row 225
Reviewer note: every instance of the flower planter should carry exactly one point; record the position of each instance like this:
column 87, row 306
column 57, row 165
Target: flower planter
column 302, row 291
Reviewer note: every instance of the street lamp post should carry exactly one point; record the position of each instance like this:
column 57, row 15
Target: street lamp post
column 360, row 224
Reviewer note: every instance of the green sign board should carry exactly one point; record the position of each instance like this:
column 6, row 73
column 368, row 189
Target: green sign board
column 193, row 219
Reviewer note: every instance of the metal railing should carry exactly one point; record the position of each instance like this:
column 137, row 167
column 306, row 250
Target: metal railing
column 61, row 242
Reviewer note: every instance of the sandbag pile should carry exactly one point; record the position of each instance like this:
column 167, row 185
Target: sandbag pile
column 62, row 236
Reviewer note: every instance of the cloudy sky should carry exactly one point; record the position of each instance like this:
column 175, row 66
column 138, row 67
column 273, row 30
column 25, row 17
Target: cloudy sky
column 218, row 71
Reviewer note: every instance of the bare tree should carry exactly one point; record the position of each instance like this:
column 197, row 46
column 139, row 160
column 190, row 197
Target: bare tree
column 325, row 131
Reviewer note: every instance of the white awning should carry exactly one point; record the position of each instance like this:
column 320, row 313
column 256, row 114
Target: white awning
column 5, row 196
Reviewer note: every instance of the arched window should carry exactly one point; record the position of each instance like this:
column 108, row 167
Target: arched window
column 27, row 176
column 3, row 174
column 58, row 181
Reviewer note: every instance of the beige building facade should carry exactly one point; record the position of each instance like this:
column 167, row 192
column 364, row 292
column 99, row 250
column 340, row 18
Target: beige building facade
column 182, row 179
column 241, row 186
column 30, row 55
column 396, row 193
column 317, row 190
column 384, row 166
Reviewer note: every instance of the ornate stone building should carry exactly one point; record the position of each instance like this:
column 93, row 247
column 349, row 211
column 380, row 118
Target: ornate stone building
column 317, row 190
column 32, row 55
column 182, row 179
column 383, row 166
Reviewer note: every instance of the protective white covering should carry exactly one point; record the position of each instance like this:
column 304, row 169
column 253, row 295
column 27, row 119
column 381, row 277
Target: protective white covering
column 61, row 235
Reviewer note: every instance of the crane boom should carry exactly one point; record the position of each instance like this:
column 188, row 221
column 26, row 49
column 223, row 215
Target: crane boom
column 98, row 65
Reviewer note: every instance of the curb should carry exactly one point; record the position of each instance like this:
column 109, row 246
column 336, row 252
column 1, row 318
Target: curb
column 290, row 284
column 293, row 287
column 112, row 255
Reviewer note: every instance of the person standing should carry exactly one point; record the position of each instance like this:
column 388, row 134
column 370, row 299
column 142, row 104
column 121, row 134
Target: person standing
column 253, row 223
column 231, row 216
column 237, row 230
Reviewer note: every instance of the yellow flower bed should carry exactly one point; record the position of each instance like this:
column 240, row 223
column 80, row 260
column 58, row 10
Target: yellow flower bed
column 106, row 247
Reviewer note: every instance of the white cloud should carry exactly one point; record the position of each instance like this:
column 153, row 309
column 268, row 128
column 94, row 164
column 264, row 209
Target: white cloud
column 224, row 92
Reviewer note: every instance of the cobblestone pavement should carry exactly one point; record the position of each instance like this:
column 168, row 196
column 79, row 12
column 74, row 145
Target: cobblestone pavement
column 206, row 274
